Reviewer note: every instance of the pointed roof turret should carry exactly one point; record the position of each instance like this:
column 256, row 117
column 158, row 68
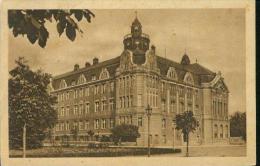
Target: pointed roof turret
column 185, row 59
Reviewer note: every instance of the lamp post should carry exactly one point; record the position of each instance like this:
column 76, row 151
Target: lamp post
column 173, row 132
column 149, row 113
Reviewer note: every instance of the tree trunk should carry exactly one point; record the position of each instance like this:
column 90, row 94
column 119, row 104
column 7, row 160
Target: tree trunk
column 24, row 140
column 187, row 148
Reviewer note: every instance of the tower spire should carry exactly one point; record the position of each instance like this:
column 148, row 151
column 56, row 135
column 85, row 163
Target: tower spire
column 135, row 14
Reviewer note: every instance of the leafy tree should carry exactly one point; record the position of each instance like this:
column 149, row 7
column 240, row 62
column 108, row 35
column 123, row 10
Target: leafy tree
column 187, row 123
column 32, row 23
column 75, row 132
column 125, row 132
column 91, row 134
column 238, row 125
column 30, row 106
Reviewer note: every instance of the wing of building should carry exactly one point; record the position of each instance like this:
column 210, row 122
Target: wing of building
column 101, row 95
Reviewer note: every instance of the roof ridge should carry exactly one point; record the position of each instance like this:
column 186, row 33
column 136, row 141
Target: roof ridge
column 203, row 68
column 84, row 69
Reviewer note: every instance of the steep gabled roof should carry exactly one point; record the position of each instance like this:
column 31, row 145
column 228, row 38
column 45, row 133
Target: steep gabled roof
column 88, row 72
column 200, row 74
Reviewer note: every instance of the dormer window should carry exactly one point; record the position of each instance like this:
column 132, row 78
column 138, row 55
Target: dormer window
column 172, row 74
column 81, row 79
column 104, row 74
column 93, row 78
column 63, row 84
column 188, row 79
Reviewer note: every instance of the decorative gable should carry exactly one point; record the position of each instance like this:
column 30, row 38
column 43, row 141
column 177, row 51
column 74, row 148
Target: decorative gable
column 82, row 79
column 188, row 79
column 172, row 74
column 220, row 86
column 63, row 84
column 104, row 74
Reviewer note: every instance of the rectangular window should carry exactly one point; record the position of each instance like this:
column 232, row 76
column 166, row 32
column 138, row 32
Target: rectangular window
column 103, row 106
column 87, row 125
column 81, row 127
column 163, row 105
column 140, row 121
column 112, row 86
column 93, row 78
column 96, row 125
column 163, row 123
column 81, row 92
column 67, row 126
column 104, row 88
column 87, row 108
column 68, row 95
column 128, row 104
column 62, row 111
column 75, row 110
column 111, row 104
column 111, row 123
column 81, row 109
column 121, row 102
column 68, row 111
column 103, row 123
column 96, row 106
column 87, row 91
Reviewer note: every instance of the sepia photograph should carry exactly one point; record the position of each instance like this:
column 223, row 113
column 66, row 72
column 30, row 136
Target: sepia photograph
column 127, row 83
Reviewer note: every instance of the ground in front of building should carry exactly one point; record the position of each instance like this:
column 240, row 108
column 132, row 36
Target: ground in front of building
column 194, row 151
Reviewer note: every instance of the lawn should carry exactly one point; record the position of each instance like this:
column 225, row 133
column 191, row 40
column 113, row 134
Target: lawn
column 90, row 152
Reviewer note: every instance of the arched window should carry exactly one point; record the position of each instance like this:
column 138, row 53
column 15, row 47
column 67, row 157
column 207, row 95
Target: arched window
column 188, row 79
column 172, row 74
column 104, row 74
column 82, row 79
column 226, row 131
column 216, row 131
column 221, row 131
column 63, row 84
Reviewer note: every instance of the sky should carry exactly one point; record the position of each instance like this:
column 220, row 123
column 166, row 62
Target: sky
column 213, row 37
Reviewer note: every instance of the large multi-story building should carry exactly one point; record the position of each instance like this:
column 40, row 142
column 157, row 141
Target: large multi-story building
column 101, row 95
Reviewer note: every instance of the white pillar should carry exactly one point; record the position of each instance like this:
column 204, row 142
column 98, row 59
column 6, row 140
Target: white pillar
column 168, row 100
column 193, row 102
column 185, row 101
column 177, row 102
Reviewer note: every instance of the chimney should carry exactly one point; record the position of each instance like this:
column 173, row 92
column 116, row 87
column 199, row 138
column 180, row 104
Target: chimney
column 95, row 61
column 76, row 67
column 87, row 64
column 153, row 48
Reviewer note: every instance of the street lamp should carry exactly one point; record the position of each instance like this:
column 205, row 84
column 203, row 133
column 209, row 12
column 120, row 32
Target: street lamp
column 173, row 132
column 149, row 113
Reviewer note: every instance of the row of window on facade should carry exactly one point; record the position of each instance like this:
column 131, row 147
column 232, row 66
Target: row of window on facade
column 82, row 109
column 126, row 81
column 85, row 92
column 164, row 122
column 220, row 108
column 126, row 101
column 82, row 79
column 181, row 109
column 152, row 82
column 152, row 98
column 182, row 91
column 220, row 131
column 85, row 125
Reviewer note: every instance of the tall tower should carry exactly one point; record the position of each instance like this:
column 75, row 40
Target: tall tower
column 137, row 42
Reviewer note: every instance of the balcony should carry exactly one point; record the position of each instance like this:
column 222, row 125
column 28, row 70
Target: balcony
column 143, row 35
